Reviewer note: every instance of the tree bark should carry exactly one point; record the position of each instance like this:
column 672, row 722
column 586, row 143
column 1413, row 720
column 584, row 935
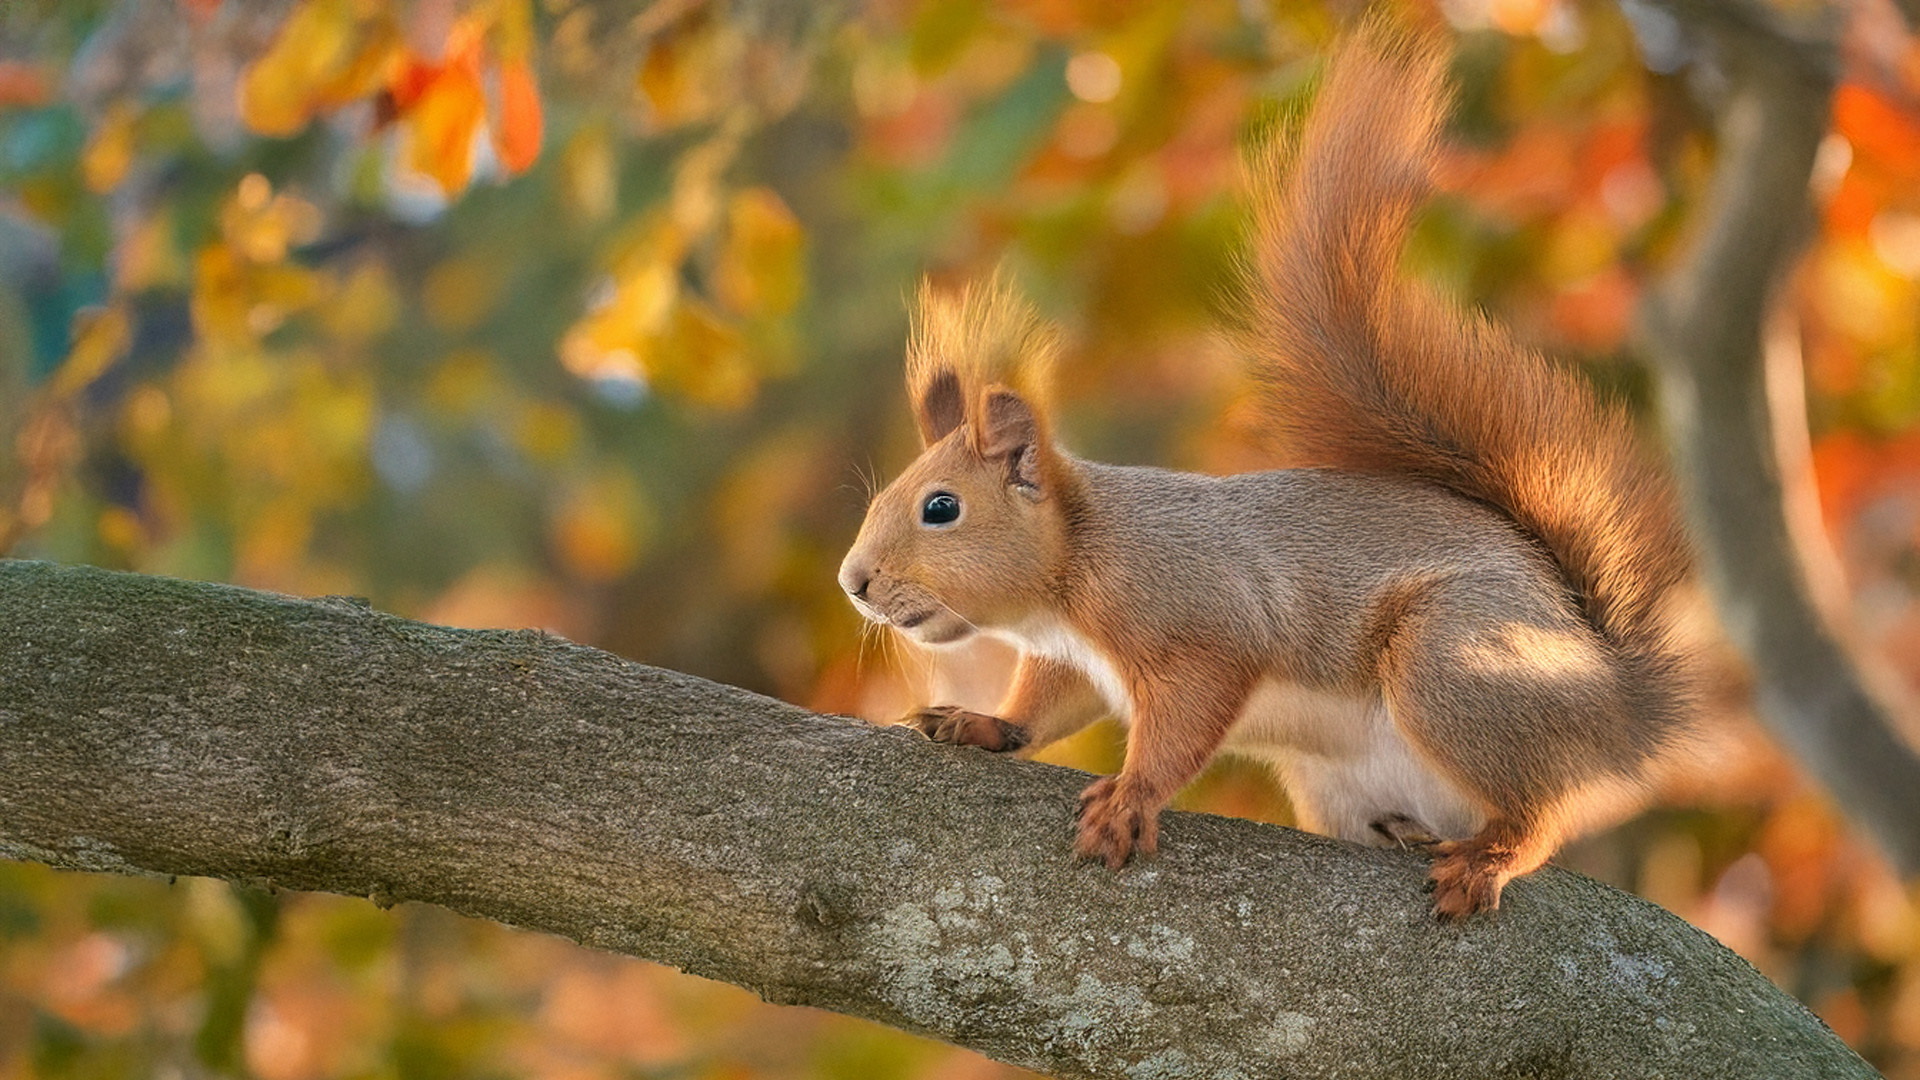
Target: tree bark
column 156, row 726
column 1703, row 328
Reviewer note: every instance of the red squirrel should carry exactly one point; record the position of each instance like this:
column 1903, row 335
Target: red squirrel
column 1450, row 623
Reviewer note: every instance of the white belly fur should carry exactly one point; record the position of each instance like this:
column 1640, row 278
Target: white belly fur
column 1055, row 640
column 1343, row 762
column 1345, row 765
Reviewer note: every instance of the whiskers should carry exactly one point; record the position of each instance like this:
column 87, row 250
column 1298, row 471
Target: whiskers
column 868, row 632
column 964, row 621
column 914, row 662
column 866, row 480
column 873, row 627
column 916, row 665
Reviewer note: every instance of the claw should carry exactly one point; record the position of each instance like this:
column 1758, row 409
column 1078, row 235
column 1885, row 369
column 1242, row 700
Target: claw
column 1115, row 823
column 1404, row 831
column 961, row 727
column 1462, row 886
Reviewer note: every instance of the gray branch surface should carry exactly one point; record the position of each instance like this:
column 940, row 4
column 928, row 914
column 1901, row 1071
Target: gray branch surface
column 1703, row 329
column 156, row 726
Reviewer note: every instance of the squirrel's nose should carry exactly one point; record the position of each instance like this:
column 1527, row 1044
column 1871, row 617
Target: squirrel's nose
column 855, row 579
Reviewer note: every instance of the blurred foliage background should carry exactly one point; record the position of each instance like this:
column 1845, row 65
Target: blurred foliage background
column 587, row 314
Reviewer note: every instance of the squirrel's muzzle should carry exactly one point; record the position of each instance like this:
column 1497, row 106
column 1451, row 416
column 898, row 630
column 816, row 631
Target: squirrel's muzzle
column 855, row 578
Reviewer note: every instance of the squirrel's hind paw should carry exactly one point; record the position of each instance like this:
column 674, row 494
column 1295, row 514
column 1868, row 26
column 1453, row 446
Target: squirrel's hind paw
column 1468, row 875
column 1461, row 889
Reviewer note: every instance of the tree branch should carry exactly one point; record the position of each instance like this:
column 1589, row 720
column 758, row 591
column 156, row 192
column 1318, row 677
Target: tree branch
column 157, row 726
column 1703, row 329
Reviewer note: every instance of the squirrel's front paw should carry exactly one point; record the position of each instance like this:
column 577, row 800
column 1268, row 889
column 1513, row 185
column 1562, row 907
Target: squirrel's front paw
column 1115, row 822
column 952, row 724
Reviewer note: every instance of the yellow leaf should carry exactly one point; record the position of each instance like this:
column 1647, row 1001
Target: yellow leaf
column 762, row 266
column 237, row 302
column 379, row 44
column 691, row 73
column 100, row 336
column 666, row 81
column 513, row 30
column 121, row 530
column 587, row 174
column 261, row 226
column 316, row 44
column 702, row 357
column 109, row 153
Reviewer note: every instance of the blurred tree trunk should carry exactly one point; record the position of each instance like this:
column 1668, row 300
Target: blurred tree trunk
column 156, row 726
column 1704, row 329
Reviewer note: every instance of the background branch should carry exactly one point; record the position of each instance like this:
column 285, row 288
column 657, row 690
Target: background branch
column 1704, row 328
column 159, row 726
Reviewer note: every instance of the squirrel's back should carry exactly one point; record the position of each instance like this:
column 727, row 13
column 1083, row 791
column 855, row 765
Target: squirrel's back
column 1365, row 371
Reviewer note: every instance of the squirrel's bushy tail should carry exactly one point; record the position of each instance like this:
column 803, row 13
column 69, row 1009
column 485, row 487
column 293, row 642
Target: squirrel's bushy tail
column 1363, row 370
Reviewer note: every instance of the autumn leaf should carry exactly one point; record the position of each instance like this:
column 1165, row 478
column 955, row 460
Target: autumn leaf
column 702, row 357
column 682, row 77
column 329, row 53
column 1878, row 130
column 513, row 30
column 23, row 84
column 517, row 136
column 99, row 338
column 275, row 91
column 448, row 115
column 761, row 268
column 409, row 81
column 109, row 153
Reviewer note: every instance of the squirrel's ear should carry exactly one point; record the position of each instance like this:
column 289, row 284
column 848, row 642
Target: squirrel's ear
column 941, row 408
column 1010, row 432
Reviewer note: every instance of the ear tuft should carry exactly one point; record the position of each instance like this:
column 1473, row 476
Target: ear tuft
column 941, row 407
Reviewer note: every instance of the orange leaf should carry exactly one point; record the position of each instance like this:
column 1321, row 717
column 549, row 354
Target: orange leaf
column 1851, row 210
column 23, row 84
column 444, row 121
column 517, row 138
column 410, row 79
column 1877, row 129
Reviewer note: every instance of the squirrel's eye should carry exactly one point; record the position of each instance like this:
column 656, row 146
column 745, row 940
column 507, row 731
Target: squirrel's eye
column 940, row 508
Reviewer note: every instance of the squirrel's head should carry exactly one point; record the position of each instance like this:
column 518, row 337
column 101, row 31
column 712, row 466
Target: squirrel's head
column 969, row 536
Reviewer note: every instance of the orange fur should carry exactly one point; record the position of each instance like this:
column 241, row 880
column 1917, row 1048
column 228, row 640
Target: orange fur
column 1467, row 646
column 1364, row 370
column 984, row 336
